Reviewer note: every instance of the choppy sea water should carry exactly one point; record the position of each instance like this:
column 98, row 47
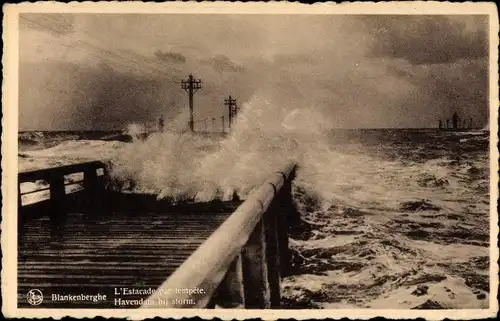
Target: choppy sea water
column 399, row 218
column 406, row 224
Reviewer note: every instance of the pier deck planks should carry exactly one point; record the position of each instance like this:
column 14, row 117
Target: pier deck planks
column 98, row 255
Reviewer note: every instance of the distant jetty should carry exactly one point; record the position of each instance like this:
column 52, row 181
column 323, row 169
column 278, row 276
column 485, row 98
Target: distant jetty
column 128, row 137
column 456, row 123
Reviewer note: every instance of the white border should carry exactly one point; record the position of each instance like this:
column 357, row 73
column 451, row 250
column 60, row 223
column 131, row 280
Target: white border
column 10, row 130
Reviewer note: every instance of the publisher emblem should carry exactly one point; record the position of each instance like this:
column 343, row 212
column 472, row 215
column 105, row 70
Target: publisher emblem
column 35, row 297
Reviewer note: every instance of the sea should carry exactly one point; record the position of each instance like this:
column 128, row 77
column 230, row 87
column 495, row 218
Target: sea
column 398, row 218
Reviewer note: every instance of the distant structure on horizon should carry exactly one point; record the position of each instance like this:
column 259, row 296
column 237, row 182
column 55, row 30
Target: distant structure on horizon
column 455, row 123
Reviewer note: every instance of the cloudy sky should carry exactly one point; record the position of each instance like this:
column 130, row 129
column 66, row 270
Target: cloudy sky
column 104, row 71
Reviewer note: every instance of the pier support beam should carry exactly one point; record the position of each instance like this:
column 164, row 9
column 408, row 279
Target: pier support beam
column 255, row 273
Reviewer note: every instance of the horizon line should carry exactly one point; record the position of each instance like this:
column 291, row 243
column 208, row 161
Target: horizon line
column 351, row 128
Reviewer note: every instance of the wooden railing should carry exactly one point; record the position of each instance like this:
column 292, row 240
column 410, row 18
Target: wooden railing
column 240, row 265
column 48, row 173
column 92, row 185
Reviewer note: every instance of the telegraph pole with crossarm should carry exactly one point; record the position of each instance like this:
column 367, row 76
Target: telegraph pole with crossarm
column 231, row 104
column 191, row 86
column 236, row 109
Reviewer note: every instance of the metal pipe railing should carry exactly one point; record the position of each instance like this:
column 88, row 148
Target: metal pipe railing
column 245, row 247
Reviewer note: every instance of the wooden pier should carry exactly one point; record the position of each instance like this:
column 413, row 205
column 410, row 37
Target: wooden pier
column 75, row 248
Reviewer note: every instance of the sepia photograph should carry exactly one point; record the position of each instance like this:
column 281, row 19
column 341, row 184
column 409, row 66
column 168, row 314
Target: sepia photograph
column 202, row 158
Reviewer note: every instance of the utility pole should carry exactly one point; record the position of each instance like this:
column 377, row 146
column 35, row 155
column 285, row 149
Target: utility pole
column 231, row 104
column 236, row 108
column 191, row 86
column 213, row 124
column 223, row 129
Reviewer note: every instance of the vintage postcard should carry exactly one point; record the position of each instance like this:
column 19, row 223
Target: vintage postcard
column 250, row 160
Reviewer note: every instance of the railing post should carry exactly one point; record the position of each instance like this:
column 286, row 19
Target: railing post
column 255, row 275
column 273, row 256
column 19, row 198
column 104, row 179
column 57, row 205
column 90, row 190
column 20, row 218
column 230, row 293
column 286, row 216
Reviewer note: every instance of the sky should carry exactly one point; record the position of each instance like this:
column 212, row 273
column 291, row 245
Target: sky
column 105, row 71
